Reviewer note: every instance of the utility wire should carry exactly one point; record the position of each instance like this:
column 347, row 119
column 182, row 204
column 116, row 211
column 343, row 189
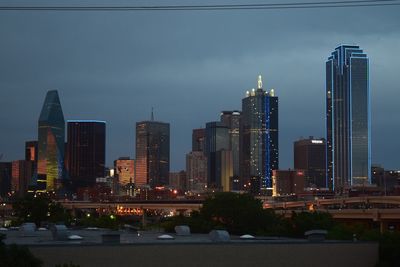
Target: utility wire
column 292, row 5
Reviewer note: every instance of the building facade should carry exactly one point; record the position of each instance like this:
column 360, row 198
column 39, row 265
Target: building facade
column 196, row 171
column 224, row 159
column 287, row 182
column 31, row 154
column 198, row 139
column 348, row 124
column 86, row 151
column 22, row 171
column 310, row 156
column 152, row 153
column 5, row 178
column 232, row 120
column 217, row 138
column 177, row 180
column 259, row 144
column 124, row 175
column 51, row 138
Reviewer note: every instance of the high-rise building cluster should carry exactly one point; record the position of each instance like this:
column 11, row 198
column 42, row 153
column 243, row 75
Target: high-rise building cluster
column 239, row 152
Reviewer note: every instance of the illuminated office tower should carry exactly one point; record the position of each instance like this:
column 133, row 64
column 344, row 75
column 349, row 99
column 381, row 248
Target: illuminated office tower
column 232, row 120
column 86, row 151
column 31, row 151
column 22, row 171
column 51, row 136
column 259, row 151
column 31, row 154
column 152, row 153
column 125, row 170
column 348, row 119
column 196, row 170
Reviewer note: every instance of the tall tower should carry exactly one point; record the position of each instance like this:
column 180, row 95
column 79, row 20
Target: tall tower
column 348, row 126
column 217, row 139
column 86, row 151
column 232, row 120
column 198, row 139
column 51, row 136
column 259, row 147
column 152, row 153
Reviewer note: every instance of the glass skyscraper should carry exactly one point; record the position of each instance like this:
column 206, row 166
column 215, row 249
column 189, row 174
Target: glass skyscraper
column 348, row 118
column 51, row 138
column 217, row 139
column 259, row 147
column 86, row 151
column 232, row 120
column 152, row 153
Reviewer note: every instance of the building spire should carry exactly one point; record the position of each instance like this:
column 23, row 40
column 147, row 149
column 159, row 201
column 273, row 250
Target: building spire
column 260, row 85
column 152, row 114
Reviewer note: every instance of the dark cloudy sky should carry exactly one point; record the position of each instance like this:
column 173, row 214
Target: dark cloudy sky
column 190, row 65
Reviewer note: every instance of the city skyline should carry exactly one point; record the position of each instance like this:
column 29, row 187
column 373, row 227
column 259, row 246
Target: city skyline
column 188, row 76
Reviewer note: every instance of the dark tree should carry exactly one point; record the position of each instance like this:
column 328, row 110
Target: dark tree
column 39, row 208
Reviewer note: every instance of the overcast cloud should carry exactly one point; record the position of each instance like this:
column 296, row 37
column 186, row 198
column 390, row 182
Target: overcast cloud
column 189, row 66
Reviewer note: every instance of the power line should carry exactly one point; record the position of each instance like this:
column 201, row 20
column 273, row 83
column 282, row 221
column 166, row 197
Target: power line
column 292, row 5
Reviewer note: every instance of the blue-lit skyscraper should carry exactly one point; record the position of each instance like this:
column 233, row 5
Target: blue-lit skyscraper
column 259, row 147
column 51, row 138
column 348, row 118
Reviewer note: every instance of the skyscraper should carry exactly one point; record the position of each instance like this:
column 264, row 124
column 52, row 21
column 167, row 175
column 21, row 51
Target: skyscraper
column 5, row 178
column 232, row 120
column 31, row 154
column 198, row 139
column 124, row 173
column 125, row 170
column 309, row 155
column 259, row 150
column 51, row 136
column 348, row 118
column 196, row 170
column 31, row 151
column 217, row 138
column 22, row 171
column 152, row 153
column 86, row 151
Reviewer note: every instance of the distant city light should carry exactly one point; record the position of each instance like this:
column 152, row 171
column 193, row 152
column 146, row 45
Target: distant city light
column 317, row 141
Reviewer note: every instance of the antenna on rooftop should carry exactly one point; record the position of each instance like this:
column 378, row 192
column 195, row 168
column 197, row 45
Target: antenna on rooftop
column 152, row 114
column 259, row 83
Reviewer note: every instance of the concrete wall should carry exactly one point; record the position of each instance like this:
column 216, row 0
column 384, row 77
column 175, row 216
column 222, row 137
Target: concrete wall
column 266, row 254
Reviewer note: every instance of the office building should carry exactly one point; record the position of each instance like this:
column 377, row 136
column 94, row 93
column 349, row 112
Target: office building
column 232, row 120
column 224, row 163
column 31, row 154
column 198, row 139
column 86, row 151
column 348, row 119
column 51, row 138
column 22, row 172
column 152, row 153
column 196, row 171
column 217, row 138
column 177, row 180
column 5, row 178
column 287, row 182
column 310, row 156
column 259, row 146
column 125, row 170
